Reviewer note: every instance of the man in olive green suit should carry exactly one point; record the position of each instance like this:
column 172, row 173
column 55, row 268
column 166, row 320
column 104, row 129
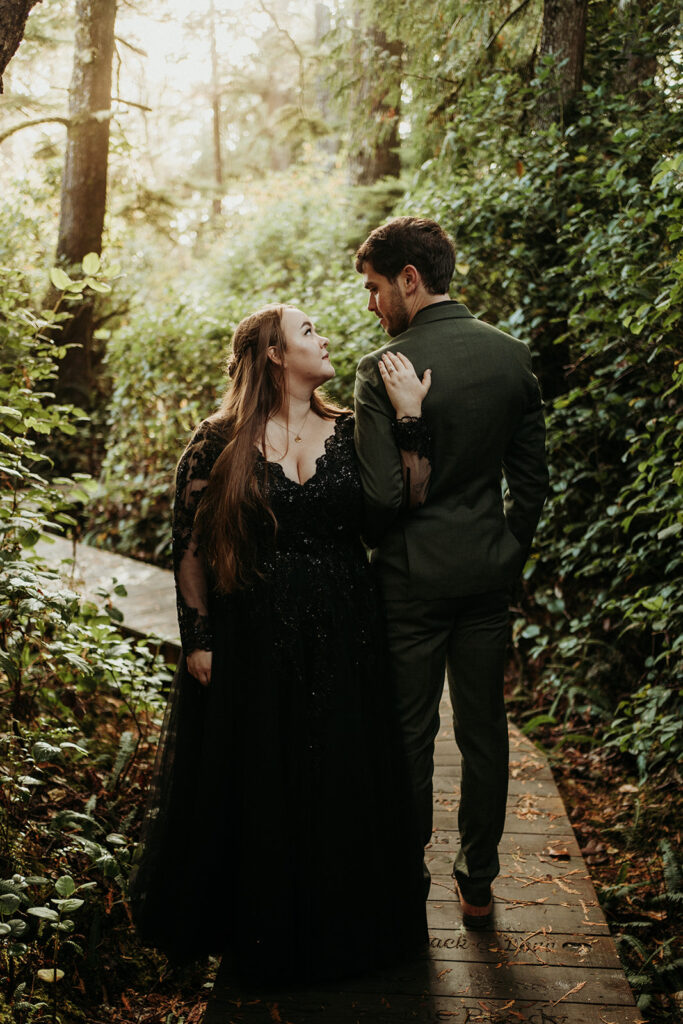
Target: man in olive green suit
column 447, row 568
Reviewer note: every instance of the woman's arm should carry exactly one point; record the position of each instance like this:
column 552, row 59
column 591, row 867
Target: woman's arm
column 188, row 564
column 406, row 392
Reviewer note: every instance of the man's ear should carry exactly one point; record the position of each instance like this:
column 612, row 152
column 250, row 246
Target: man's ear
column 411, row 279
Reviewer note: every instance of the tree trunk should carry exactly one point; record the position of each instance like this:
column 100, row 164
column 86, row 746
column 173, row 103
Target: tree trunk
column 84, row 184
column 217, row 203
column 13, row 17
column 377, row 152
column 638, row 62
column 564, row 38
column 324, row 102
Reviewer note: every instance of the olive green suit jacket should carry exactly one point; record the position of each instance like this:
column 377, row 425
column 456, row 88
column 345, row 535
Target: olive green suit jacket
column 485, row 416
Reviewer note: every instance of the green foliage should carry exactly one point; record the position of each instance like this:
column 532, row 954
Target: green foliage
column 70, row 685
column 651, row 966
column 570, row 240
column 291, row 242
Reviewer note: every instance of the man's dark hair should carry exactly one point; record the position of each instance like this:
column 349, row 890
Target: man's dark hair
column 415, row 240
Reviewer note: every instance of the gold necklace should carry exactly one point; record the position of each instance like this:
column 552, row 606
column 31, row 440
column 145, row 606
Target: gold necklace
column 296, row 434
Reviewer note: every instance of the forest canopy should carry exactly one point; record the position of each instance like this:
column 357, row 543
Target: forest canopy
column 167, row 168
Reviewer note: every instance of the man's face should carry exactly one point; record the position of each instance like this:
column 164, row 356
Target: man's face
column 386, row 301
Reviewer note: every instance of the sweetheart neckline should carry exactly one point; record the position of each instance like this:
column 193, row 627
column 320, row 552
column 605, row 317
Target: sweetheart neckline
column 323, row 454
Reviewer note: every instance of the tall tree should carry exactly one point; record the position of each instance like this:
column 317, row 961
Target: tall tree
column 13, row 16
column 84, row 182
column 563, row 37
column 216, row 111
column 375, row 152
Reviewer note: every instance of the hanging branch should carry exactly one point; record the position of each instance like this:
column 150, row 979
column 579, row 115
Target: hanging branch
column 29, row 124
column 132, row 103
column 295, row 47
column 98, row 115
column 511, row 15
column 452, row 96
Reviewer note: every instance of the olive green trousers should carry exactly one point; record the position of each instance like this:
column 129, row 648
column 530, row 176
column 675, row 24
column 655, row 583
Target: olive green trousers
column 464, row 638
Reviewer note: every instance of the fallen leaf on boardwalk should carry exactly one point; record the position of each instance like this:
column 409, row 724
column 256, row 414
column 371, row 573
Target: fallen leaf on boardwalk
column 557, row 854
column 526, row 810
column 565, row 888
column 577, row 988
column 524, row 903
column 442, row 974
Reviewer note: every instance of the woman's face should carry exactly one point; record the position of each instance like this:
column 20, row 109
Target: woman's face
column 306, row 360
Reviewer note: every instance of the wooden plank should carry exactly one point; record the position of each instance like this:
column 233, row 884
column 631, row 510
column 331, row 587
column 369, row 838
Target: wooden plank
column 448, row 786
column 554, row 948
column 525, row 917
column 516, row 864
column 514, row 887
column 544, row 815
column 358, row 1008
column 522, row 754
column 509, row 981
column 522, row 844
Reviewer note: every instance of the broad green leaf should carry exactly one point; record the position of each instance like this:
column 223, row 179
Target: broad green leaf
column 9, row 903
column 65, row 885
column 60, row 279
column 91, row 263
column 68, row 906
column 98, row 286
column 45, row 913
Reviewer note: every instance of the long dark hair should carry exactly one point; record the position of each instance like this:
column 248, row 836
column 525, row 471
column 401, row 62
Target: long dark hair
column 234, row 501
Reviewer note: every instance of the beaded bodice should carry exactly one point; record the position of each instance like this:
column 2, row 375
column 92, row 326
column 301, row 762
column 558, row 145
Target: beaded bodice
column 322, row 514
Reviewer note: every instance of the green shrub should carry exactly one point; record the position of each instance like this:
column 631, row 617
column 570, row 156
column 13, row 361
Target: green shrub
column 80, row 703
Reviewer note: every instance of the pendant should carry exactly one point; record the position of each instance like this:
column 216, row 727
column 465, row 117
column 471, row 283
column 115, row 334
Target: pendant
column 297, row 438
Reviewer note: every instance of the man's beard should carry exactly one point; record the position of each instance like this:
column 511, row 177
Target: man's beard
column 397, row 318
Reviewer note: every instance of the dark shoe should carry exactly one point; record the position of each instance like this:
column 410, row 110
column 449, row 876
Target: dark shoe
column 474, row 916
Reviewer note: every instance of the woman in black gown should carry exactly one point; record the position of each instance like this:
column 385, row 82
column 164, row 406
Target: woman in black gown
column 278, row 825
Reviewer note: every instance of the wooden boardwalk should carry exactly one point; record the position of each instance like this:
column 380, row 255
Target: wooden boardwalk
column 549, row 958
column 148, row 609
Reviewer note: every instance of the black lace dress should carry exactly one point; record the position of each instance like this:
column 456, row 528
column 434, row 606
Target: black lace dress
column 279, row 826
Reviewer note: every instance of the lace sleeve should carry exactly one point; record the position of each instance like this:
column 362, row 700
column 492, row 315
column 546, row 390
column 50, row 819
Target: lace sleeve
column 414, row 442
column 188, row 565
